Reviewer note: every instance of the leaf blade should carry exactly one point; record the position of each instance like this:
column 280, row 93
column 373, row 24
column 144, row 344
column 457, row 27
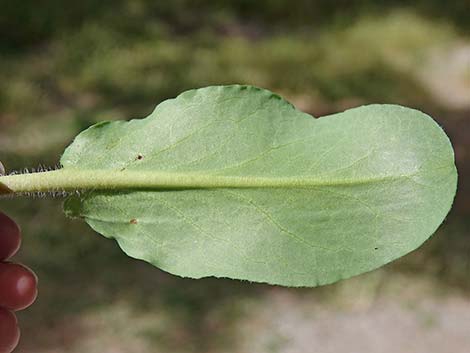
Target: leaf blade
column 288, row 236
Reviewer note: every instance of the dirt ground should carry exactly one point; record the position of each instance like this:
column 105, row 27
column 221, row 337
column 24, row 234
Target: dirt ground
column 388, row 313
column 384, row 324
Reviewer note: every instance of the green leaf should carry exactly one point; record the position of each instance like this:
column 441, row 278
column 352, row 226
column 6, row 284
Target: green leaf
column 233, row 181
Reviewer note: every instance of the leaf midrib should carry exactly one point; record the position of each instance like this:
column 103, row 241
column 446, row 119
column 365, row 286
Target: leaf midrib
column 71, row 179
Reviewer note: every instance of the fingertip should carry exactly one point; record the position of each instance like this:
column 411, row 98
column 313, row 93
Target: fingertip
column 18, row 286
column 10, row 237
column 27, row 287
column 10, row 331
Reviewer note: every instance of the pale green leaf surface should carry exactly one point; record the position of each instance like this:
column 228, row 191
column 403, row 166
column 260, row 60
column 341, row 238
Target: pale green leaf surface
column 306, row 202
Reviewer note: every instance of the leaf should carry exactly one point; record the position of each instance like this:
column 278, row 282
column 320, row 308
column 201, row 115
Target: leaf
column 233, row 181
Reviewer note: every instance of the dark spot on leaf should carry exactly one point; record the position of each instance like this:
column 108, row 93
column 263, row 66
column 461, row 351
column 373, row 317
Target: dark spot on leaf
column 133, row 221
column 139, row 157
column 376, row 248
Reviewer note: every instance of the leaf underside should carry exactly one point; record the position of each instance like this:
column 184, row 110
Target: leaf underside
column 373, row 183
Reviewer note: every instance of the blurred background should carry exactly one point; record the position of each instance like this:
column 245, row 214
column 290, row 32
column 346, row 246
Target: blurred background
column 67, row 65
